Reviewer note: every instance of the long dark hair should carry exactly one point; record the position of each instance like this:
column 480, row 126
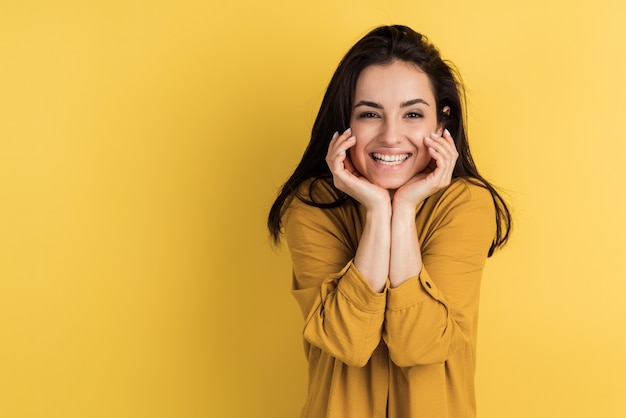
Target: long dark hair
column 382, row 46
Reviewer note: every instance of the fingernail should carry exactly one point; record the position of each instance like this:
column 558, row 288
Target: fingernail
column 336, row 134
column 428, row 139
column 347, row 130
column 447, row 131
column 351, row 138
column 434, row 134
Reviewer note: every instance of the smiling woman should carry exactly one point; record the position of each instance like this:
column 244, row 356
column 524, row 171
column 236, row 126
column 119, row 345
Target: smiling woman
column 388, row 225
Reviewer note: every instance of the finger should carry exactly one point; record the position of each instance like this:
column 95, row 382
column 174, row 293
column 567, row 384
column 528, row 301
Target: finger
column 440, row 176
column 445, row 142
column 345, row 141
column 334, row 146
column 345, row 136
column 335, row 162
column 448, row 137
column 443, row 160
column 445, row 157
column 438, row 151
column 442, row 146
column 336, row 156
column 350, row 167
column 338, row 140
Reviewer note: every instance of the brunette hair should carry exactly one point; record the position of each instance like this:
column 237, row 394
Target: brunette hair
column 381, row 46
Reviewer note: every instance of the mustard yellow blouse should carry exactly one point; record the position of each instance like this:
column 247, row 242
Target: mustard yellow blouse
column 409, row 351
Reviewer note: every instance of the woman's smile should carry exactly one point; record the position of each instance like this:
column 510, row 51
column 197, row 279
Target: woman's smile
column 389, row 159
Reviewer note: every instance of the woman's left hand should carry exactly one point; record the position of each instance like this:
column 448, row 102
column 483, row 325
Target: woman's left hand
column 436, row 176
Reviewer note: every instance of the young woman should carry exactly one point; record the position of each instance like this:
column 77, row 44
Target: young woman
column 389, row 224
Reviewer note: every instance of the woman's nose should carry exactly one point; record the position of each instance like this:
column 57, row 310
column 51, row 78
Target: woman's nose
column 390, row 134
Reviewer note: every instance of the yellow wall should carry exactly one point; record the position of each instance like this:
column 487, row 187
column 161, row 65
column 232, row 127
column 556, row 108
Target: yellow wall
column 142, row 142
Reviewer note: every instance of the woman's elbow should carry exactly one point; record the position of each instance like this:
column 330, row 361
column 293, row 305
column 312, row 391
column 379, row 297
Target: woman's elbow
column 353, row 355
column 407, row 358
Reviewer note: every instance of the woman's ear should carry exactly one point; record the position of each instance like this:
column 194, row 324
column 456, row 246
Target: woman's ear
column 440, row 127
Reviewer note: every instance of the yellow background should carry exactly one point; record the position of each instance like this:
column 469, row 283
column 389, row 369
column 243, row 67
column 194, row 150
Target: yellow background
column 142, row 142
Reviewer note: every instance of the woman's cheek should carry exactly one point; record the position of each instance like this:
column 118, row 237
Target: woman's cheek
column 357, row 129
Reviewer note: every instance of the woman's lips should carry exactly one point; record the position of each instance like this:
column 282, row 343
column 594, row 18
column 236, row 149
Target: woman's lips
column 389, row 159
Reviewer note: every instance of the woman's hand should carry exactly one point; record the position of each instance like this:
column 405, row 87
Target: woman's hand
column 347, row 179
column 436, row 176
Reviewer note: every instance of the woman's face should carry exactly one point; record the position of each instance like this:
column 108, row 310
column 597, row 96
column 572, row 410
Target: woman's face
column 393, row 111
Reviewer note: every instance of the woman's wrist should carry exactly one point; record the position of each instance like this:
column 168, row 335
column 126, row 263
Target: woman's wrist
column 403, row 210
column 380, row 210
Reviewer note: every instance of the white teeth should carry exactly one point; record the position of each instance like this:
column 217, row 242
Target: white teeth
column 389, row 159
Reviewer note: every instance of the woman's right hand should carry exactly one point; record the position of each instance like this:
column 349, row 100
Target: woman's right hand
column 347, row 179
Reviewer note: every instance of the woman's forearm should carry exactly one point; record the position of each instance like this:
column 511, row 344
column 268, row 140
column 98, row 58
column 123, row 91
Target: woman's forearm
column 405, row 256
column 372, row 256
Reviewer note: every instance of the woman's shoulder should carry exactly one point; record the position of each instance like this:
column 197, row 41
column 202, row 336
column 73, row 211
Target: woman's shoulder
column 467, row 189
column 462, row 192
column 465, row 206
column 317, row 204
column 318, row 190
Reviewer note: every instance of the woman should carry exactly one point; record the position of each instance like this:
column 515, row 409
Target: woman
column 389, row 224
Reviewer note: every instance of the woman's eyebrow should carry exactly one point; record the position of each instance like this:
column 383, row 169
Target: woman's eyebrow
column 414, row 101
column 403, row 104
column 370, row 104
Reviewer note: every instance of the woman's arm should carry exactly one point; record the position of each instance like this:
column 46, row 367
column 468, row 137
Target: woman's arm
column 421, row 324
column 406, row 257
column 340, row 286
column 429, row 315
column 343, row 314
column 373, row 252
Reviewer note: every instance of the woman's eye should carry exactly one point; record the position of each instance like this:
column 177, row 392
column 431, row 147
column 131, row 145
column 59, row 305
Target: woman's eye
column 368, row 115
column 413, row 115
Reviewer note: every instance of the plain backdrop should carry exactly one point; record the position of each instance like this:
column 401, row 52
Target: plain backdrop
column 142, row 143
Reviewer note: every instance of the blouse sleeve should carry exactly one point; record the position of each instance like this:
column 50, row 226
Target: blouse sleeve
column 430, row 315
column 343, row 315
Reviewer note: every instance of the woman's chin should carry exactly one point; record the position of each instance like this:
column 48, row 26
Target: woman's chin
column 390, row 184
